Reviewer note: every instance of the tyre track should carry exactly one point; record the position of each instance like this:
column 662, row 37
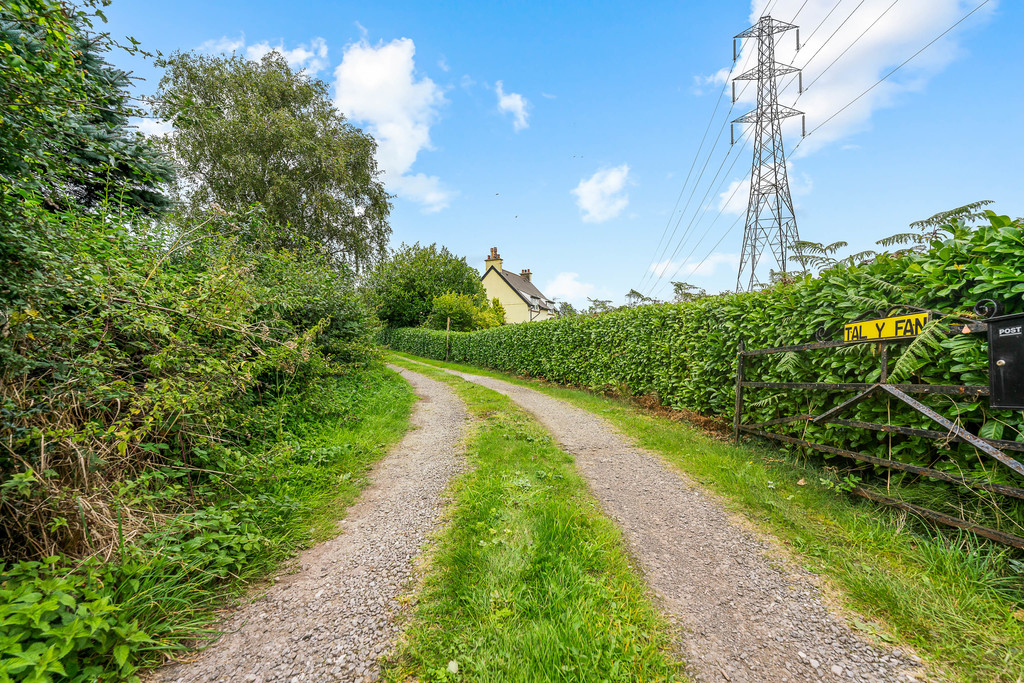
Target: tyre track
column 334, row 619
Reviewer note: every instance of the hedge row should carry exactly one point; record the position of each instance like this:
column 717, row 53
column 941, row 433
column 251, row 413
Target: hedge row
column 686, row 353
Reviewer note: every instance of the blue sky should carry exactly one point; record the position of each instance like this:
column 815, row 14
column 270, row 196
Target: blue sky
column 562, row 133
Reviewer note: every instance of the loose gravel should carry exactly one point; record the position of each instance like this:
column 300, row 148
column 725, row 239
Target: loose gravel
column 744, row 618
column 334, row 619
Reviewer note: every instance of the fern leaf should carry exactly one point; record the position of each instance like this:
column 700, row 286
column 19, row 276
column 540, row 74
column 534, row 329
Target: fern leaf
column 869, row 302
column 966, row 213
column 881, row 284
column 916, row 353
column 900, row 238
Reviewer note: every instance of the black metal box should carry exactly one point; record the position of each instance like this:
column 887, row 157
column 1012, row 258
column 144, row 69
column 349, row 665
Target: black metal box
column 1006, row 361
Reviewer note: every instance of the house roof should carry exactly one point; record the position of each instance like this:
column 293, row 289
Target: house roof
column 526, row 290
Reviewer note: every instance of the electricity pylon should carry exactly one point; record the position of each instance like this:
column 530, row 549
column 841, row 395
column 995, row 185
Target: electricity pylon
column 770, row 218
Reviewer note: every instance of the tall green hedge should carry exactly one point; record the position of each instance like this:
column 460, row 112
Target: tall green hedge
column 686, row 353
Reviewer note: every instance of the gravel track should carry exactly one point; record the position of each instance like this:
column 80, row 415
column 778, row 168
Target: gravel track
column 743, row 617
column 333, row 619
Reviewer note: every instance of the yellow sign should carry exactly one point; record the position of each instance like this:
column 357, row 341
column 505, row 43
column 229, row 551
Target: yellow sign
column 899, row 327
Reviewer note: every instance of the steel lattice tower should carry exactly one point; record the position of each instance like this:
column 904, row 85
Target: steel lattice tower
column 770, row 218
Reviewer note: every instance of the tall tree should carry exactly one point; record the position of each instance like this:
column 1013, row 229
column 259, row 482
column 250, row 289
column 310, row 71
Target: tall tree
column 403, row 287
column 256, row 132
column 64, row 113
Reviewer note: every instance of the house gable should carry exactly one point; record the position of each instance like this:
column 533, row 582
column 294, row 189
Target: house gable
column 522, row 301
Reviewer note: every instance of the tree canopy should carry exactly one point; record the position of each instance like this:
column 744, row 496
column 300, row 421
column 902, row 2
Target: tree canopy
column 403, row 287
column 65, row 134
column 250, row 132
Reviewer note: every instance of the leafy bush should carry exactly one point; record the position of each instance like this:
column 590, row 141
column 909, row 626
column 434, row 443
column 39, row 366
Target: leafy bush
column 402, row 288
column 136, row 349
column 686, row 353
column 159, row 375
column 466, row 313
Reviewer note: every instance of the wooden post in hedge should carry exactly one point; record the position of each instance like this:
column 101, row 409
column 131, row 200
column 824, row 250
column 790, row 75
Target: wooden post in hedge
column 447, row 333
column 739, row 392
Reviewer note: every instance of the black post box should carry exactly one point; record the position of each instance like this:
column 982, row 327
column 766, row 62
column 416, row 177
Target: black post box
column 1006, row 361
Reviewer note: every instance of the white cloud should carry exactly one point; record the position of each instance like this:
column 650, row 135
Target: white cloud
column 549, row 96
column 153, row 127
column 897, row 35
column 223, row 45
column 735, row 198
column 309, row 59
column 602, row 196
column 442, row 64
column 567, row 287
column 515, row 104
column 378, row 85
column 681, row 271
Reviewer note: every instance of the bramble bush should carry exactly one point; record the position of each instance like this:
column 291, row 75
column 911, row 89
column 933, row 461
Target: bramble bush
column 164, row 378
column 685, row 353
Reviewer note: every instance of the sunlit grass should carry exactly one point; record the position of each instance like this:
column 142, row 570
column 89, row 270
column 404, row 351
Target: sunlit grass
column 956, row 599
column 529, row 581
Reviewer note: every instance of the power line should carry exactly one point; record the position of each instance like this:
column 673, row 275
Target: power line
column 855, row 41
column 706, row 231
column 700, row 176
column 848, row 47
column 822, row 22
column 707, row 193
column 689, row 226
column 726, row 233
column 833, row 35
column 808, row 39
column 815, row 129
column 696, row 184
column 696, row 211
column 902, row 64
column 682, row 189
column 798, row 12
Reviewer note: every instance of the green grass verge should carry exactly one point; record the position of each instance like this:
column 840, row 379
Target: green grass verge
column 529, row 581
column 956, row 599
column 104, row 620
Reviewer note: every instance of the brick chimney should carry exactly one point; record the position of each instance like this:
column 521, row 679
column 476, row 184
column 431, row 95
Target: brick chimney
column 525, row 274
column 494, row 259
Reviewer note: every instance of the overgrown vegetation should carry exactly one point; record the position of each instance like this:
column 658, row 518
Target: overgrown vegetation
column 957, row 600
column 210, row 533
column 183, row 393
column 685, row 354
column 529, row 581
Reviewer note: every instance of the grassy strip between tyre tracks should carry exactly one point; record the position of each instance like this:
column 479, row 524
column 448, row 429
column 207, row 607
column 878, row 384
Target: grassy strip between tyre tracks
column 528, row 581
column 956, row 600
